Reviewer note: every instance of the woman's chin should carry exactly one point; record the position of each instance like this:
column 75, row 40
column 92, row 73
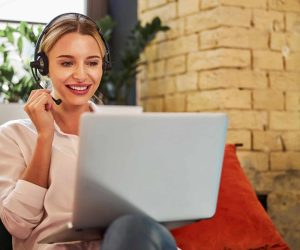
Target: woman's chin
column 75, row 101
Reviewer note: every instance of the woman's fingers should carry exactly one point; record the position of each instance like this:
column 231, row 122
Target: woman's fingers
column 37, row 92
column 40, row 102
column 38, row 108
column 35, row 97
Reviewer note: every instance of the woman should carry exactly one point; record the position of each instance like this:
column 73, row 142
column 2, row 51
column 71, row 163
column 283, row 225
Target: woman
column 38, row 155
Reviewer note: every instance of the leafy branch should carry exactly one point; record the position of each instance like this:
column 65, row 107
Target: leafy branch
column 13, row 86
column 116, row 84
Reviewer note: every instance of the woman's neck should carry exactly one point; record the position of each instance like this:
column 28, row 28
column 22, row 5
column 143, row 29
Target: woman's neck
column 67, row 118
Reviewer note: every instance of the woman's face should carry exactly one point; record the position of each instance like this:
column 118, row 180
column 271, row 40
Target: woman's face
column 75, row 68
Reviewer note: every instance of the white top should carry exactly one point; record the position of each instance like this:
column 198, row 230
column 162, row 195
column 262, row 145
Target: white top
column 28, row 211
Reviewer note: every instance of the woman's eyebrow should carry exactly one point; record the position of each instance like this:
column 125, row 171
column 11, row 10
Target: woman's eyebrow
column 69, row 56
column 95, row 56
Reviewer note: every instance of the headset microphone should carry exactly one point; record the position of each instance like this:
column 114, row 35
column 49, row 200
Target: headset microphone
column 57, row 101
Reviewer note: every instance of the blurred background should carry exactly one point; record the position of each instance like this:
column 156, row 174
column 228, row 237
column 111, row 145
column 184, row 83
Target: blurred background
column 236, row 56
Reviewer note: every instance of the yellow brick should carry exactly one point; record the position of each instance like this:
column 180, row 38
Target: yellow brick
column 267, row 141
column 285, row 160
column 228, row 78
column 156, row 69
column 293, row 41
column 141, row 79
column 278, row 41
column 267, row 60
column 286, row 81
column 268, row 20
column 264, row 181
column 186, row 7
column 293, row 101
column 176, row 103
column 247, row 119
column 165, row 12
column 142, row 90
column 234, row 16
column 187, row 82
column 246, row 3
column 288, row 42
column 160, row 86
column 257, row 161
column 293, row 22
column 203, row 101
column 290, row 5
column 219, row 99
column 178, row 46
column 202, row 21
column 156, row 3
column 268, row 99
column 239, row 136
column 166, row 49
column 176, row 65
column 208, row 4
column 160, row 37
column 291, row 140
column 208, row 19
column 234, row 37
column 177, row 28
column 234, row 98
column 293, row 61
column 284, row 120
column 218, row 58
column 153, row 105
column 142, row 5
column 151, row 52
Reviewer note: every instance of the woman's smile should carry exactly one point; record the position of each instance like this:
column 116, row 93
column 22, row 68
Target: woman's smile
column 79, row 89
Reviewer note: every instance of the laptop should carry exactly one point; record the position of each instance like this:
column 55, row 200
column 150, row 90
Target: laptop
column 163, row 165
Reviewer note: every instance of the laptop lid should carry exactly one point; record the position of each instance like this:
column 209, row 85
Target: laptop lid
column 165, row 165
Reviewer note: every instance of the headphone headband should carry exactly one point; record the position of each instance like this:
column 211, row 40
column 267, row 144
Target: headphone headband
column 40, row 63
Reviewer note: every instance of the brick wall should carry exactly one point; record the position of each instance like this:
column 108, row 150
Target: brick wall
column 241, row 57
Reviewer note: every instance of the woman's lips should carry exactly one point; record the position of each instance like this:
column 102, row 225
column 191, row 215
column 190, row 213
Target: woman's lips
column 79, row 89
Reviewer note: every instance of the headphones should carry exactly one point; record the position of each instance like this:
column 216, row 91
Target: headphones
column 40, row 65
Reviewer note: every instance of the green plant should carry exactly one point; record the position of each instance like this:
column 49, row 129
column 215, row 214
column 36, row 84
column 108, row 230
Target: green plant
column 16, row 86
column 115, row 85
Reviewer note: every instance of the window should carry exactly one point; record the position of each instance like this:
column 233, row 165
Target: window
column 40, row 11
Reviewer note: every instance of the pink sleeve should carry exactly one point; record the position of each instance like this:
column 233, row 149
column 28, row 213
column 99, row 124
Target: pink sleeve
column 22, row 212
column 21, row 202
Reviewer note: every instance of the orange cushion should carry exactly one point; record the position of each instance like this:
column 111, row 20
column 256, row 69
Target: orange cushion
column 240, row 221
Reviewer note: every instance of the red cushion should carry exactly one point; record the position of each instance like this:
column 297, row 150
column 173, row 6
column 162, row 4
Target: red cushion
column 240, row 221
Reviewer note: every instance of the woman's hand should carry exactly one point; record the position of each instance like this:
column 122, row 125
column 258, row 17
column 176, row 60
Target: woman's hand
column 38, row 108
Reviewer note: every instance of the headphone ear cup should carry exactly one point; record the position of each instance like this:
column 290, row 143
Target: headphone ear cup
column 43, row 64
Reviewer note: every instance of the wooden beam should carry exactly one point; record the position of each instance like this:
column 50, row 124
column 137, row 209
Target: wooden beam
column 96, row 9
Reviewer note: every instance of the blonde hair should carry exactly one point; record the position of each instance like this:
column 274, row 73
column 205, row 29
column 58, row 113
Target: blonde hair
column 68, row 23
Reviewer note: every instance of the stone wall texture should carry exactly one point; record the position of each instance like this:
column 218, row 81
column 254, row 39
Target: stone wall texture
column 241, row 57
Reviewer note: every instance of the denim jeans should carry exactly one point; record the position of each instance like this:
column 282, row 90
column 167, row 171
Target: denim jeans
column 136, row 232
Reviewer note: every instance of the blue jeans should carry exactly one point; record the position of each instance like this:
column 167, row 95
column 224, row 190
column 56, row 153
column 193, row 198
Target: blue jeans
column 135, row 232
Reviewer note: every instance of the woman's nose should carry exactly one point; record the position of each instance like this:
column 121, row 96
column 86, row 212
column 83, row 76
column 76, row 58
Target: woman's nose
column 80, row 73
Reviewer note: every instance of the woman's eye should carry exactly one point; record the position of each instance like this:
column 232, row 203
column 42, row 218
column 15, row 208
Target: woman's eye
column 93, row 63
column 66, row 64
